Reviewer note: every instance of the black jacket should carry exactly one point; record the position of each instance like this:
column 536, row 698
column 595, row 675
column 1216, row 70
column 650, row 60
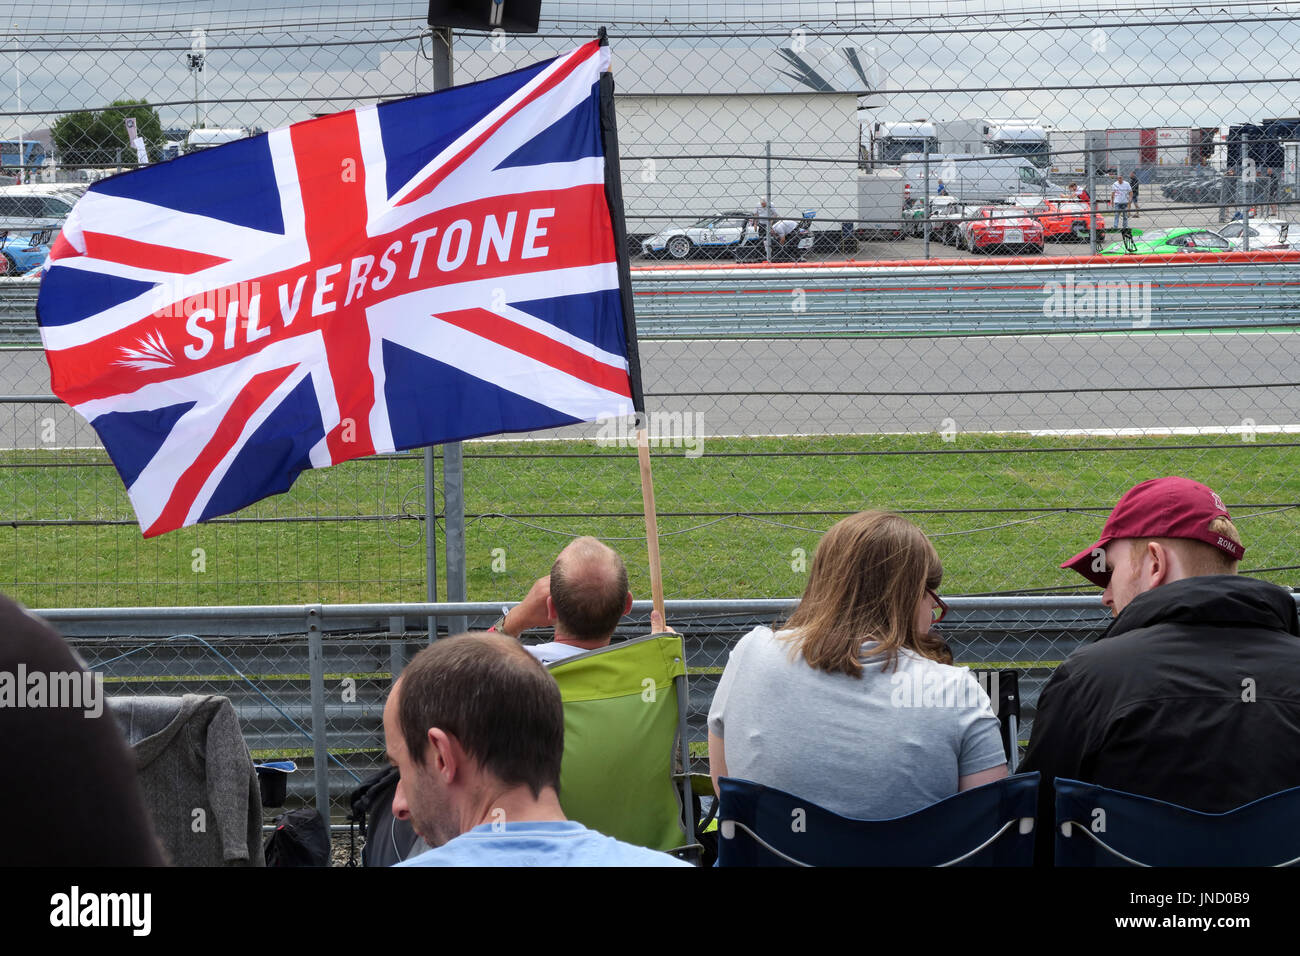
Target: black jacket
column 1191, row 696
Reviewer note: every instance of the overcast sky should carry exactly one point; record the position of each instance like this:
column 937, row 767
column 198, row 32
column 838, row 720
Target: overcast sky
column 76, row 54
column 181, row 14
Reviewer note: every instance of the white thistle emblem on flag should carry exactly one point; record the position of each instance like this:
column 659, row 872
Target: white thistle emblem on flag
column 151, row 352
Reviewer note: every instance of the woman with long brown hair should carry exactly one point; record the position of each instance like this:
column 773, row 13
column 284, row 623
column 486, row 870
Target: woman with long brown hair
column 855, row 704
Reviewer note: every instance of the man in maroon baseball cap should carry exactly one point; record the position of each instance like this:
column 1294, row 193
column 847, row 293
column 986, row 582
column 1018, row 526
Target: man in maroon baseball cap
column 1192, row 694
column 1162, row 530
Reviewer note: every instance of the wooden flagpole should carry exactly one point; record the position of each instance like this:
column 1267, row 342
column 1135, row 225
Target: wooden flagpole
column 614, row 195
column 651, row 520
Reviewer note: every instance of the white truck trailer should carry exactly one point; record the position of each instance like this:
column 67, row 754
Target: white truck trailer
column 1175, row 145
column 1069, row 155
column 891, row 141
column 975, row 178
column 881, row 197
column 995, row 137
column 1118, row 150
column 1290, row 185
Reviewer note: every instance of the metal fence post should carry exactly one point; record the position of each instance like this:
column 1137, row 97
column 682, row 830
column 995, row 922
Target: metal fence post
column 430, row 541
column 1247, row 190
column 397, row 649
column 319, row 733
column 1092, row 202
column 440, row 58
column 925, row 206
column 767, row 226
column 443, row 72
column 453, row 496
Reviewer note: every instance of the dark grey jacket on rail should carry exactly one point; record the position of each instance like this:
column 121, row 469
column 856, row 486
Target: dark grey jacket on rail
column 197, row 776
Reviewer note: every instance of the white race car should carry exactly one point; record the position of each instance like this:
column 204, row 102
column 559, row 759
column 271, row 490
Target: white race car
column 714, row 235
column 1264, row 234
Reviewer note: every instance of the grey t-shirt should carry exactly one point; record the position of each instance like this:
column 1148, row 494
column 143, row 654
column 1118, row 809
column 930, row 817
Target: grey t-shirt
column 875, row 747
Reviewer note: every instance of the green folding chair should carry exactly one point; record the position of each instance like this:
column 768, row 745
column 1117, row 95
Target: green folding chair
column 625, row 743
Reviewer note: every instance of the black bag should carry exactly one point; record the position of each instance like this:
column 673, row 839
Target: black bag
column 388, row 840
column 300, row 838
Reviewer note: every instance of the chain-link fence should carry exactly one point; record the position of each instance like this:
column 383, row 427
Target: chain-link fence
column 831, row 112
column 1003, row 398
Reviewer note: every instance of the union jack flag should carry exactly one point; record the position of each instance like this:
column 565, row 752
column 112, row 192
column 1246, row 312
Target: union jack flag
column 427, row 270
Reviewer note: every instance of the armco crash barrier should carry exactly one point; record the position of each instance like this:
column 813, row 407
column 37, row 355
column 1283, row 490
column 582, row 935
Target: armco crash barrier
column 18, row 311
column 1004, row 294
column 1000, row 293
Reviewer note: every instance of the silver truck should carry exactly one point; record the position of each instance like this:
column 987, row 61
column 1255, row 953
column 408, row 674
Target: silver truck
column 974, row 178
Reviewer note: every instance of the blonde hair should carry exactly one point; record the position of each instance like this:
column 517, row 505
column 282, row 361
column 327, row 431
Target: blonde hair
column 1198, row 557
column 868, row 574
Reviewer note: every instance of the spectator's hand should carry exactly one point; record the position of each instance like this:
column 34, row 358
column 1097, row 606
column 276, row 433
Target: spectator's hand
column 657, row 625
column 531, row 611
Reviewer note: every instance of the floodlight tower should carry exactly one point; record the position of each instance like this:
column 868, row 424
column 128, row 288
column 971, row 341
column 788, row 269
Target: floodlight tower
column 195, row 61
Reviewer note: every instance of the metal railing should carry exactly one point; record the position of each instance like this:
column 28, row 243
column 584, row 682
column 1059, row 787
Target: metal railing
column 18, row 311
column 1055, row 296
column 309, row 681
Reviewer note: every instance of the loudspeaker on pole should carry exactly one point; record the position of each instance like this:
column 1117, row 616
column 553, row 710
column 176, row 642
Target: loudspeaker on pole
column 512, row 16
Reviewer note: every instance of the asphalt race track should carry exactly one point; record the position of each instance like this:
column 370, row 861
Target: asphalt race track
column 1125, row 383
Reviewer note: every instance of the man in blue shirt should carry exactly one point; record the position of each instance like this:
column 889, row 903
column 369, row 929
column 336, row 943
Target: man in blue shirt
column 475, row 726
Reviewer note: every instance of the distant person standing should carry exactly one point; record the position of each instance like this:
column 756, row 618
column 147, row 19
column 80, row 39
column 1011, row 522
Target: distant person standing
column 1080, row 193
column 1134, row 185
column 764, row 215
column 942, row 190
column 1227, row 189
column 1120, row 194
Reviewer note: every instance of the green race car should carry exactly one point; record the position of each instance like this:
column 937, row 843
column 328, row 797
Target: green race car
column 1182, row 239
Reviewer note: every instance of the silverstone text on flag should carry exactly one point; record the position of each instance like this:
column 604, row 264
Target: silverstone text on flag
column 427, row 270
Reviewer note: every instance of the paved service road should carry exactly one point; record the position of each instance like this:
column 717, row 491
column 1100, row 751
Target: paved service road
column 1087, row 381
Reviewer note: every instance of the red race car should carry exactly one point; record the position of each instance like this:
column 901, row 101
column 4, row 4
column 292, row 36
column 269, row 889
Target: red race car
column 1001, row 226
column 1066, row 220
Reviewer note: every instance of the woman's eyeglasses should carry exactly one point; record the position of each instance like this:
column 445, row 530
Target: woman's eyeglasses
column 940, row 609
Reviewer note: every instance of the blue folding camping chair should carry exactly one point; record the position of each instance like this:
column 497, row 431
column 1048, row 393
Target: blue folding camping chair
column 991, row 825
column 1096, row 826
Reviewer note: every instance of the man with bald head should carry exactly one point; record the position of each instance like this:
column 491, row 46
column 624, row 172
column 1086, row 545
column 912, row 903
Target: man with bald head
column 583, row 598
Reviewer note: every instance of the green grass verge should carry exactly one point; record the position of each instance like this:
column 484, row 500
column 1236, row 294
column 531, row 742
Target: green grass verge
column 740, row 521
